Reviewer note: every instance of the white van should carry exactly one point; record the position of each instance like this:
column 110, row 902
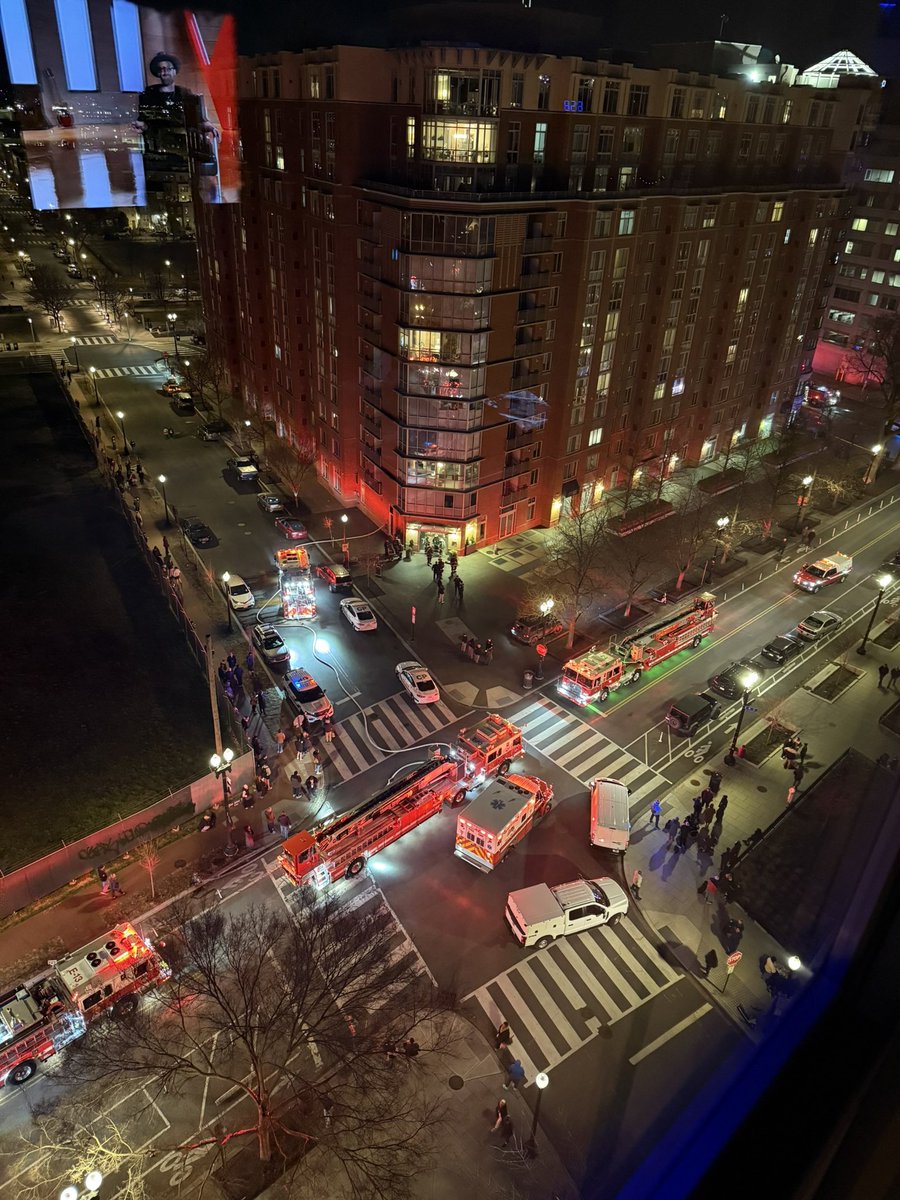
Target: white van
column 610, row 820
column 539, row 914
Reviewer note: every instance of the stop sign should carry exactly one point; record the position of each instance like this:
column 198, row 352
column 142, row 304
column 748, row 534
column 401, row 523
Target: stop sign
column 542, row 650
column 733, row 960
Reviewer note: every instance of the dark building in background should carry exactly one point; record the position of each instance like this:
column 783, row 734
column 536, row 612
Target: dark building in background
column 496, row 284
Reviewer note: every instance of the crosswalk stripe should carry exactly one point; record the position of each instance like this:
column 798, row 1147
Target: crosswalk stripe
column 594, row 950
column 593, row 987
column 553, row 747
column 550, row 1007
column 636, row 772
column 377, row 724
column 399, row 724
column 350, row 749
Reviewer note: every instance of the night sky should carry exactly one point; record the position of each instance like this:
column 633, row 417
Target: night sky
column 801, row 31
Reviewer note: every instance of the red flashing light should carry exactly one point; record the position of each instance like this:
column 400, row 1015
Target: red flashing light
column 541, row 651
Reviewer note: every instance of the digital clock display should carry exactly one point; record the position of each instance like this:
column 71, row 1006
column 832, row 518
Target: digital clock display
column 573, row 105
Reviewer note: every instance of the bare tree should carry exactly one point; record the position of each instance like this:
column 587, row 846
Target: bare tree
column 52, row 290
column 148, row 856
column 299, row 1017
column 292, row 462
column 839, row 481
column 207, row 378
column 632, row 561
column 572, row 570
column 877, row 360
column 686, row 532
column 157, row 285
column 261, row 427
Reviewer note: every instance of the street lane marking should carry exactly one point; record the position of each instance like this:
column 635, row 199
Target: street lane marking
column 669, row 1034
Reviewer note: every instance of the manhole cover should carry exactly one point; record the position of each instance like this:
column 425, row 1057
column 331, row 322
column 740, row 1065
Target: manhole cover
column 457, row 1083
column 761, row 787
column 696, row 782
column 180, row 862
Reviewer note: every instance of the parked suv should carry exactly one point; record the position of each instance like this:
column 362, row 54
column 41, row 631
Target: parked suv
column 338, row 578
column 534, row 628
column 211, row 431
column 685, row 716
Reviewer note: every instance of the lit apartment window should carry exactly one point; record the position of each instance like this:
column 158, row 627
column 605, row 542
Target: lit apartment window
column 860, row 224
column 626, row 221
column 638, row 99
column 313, row 79
column 786, row 112
column 877, row 175
column 447, row 140
column 540, row 139
column 777, row 210
column 890, row 229
column 595, row 437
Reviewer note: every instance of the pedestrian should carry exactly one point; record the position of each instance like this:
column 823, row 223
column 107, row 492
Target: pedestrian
column 507, row 1129
column 280, row 739
column 311, row 785
column 249, row 839
column 698, row 804
column 720, row 810
column 222, row 672
column 254, row 703
column 712, row 888
column 141, row 473
column 410, row 1048
column 251, row 660
column 791, row 793
column 284, row 825
column 328, row 730
column 515, row 1075
column 895, row 675
column 708, row 813
column 440, row 592
column 682, row 837
column 710, row 962
column 104, row 880
column 504, row 1036
column 266, row 773
column 499, row 1113
column 238, row 673
column 429, row 554
column 715, row 781
column 114, row 886
column 882, row 672
column 672, row 828
column 460, row 587
column 270, row 819
column 810, row 536
column 297, row 785
column 317, row 759
column 261, row 701
column 804, row 750
column 231, row 660
column 246, row 798
column 637, row 879
column 300, row 743
column 655, row 813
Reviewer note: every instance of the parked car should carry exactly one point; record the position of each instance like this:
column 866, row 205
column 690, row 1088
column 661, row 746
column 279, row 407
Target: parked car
column 244, row 467
column 291, row 528
column 540, row 914
column 211, row 431
column 270, row 645
column 536, row 627
column 729, row 682
column 309, row 697
column 73, row 271
column 817, row 624
column 172, row 385
column 338, row 578
column 269, row 502
column 198, row 339
column 183, row 403
column 197, row 533
column 359, row 615
column 685, row 716
column 417, row 683
column 239, row 593
column 780, row 649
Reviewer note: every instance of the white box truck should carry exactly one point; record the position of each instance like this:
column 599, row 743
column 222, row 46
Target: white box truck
column 539, row 914
column 610, row 821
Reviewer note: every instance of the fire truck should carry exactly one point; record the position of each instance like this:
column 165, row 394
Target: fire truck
column 595, row 674
column 339, row 846
column 37, row 1020
column 499, row 817
column 298, row 596
column 487, row 748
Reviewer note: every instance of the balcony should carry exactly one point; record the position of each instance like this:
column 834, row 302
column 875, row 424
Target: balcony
column 372, row 453
column 518, row 468
column 511, row 488
column 525, row 379
column 534, row 279
column 533, row 316
column 373, row 484
column 450, row 108
column 371, row 302
column 372, row 425
column 371, row 392
column 520, row 440
column 537, row 245
column 526, row 349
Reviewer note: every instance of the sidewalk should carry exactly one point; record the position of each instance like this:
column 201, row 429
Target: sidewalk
column 688, row 926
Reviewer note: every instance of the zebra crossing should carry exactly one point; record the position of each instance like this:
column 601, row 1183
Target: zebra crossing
column 365, row 739
column 96, row 339
column 362, row 896
column 79, row 302
column 584, row 752
column 118, row 372
column 560, row 998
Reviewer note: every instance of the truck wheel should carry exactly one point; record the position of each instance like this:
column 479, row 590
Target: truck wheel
column 126, row 1006
column 22, row 1072
column 634, row 677
column 616, row 920
column 458, row 798
column 548, row 807
column 355, row 867
column 604, row 694
column 503, row 769
column 697, row 640
column 544, row 942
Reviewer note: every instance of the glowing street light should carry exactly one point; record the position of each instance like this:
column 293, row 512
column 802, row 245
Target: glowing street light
column 162, row 484
column 872, row 471
column 33, row 334
column 121, row 417
column 747, row 680
column 93, row 374
column 172, row 318
column 221, row 767
column 541, row 1080
column 226, row 578
column 803, row 500
column 545, row 606
column 92, row 1182
column 74, row 342
column 884, row 582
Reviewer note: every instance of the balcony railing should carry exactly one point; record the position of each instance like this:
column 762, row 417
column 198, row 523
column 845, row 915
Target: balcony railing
column 374, row 485
column 525, row 349
column 517, row 468
column 371, row 302
column 512, row 489
column 522, row 439
column 532, row 316
column 525, row 379
column 537, row 245
column 471, row 108
column 372, row 425
column 534, row 279
column 372, row 453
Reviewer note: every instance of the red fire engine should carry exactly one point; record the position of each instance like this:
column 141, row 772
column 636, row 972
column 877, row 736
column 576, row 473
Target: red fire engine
column 38, row 1020
column 340, row 846
column 487, row 748
column 298, row 596
column 593, row 675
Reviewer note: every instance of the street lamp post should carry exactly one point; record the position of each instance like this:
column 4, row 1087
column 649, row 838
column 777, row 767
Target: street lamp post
column 221, row 765
column 345, row 545
column 72, row 250
column 168, row 265
column 540, row 1082
column 884, row 582
column 121, row 417
column 162, row 484
column 33, row 334
column 722, row 524
column 749, row 679
column 226, row 576
column 172, row 319
column 90, row 1187
column 93, row 374
column 74, row 342
column 802, row 501
column 544, row 607
column 872, row 471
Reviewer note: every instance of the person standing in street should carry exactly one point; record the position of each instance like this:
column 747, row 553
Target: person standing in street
column 655, row 813
column 720, row 810
column 515, row 1075
column 710, row 962
column 440, row 592
column 317, row 759
column 284, row 825
column 280, row 739
column 499, row 1113
column 672, row 828
column 114, row 886
column 296, row 785
column 637, row 879
column 231, row 660
column 270, row 819
column 503, row 1037
column 261, row 701
column 460, row 587
column 104, row 880
column 882, row 674
column 895, row 675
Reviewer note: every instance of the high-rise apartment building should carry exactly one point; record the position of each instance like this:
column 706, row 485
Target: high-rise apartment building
column 494, row 285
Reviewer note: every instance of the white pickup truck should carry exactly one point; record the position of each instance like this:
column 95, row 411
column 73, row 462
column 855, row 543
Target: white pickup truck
column 244, row 467
column 539, row 914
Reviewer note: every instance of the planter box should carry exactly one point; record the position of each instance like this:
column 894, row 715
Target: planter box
column 889, row 636
column 891, row 719
column 724, row 481
column 766, row 740
column 833, row 681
